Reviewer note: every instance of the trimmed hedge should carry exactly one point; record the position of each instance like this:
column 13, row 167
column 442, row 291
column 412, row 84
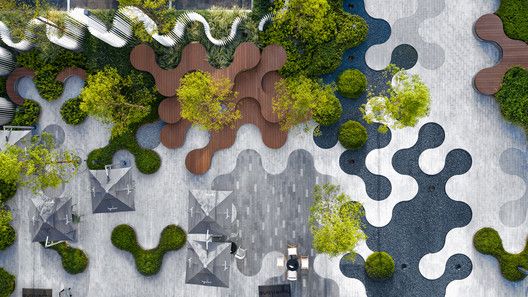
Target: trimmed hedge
column 148, row 262
column 379, row 265
column 7, row 190
column 329, row 113
column 147, row 161
column 352, row 135
column 513, row 97
column 7, row 236
column 26, row 114
column 74, row 260
column 488, row 241
column 7, row 283
column 351, row 83
column 71, row 113
column 514, row 15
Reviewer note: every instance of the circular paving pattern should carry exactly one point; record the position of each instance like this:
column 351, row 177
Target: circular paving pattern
column 404, row 56
column 56, row 132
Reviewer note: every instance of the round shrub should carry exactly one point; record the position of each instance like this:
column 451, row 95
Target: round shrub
column 71, row 112
column 27, row 114
column 329, row 112
column 74, row 260
column 352, row 135
column 379, row 265
column 147, row 161
column 148, row 262
column 7, row 236
column 351, row 83
column 124, row 238
column 172, row 238
column 7, row 190
column 487, row 241
column 48, row 87
column 7, row 283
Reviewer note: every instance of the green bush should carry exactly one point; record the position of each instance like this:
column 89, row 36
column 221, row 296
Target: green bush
column 352, row 135
column 147, row 161
column 7, row 283
column 7, row 190
column 74, row 260
column 514, row 15
column 148, row 262
column 351, row 83
column 7, row 236
column 328, row 112
column 71, row 113
column 513, row 97
column 47, row 67
column 379, row 265
column 488, row 241
column 26, row 114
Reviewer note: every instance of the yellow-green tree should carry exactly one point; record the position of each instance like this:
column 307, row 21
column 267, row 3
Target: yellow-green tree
column 114, row 99
column 208, row 102
column 38, row 165
column 335, row 221
column 299, row 98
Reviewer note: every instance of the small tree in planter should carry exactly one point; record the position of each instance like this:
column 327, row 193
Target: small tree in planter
column 335, row 221
column 379, row 265
column 207, row 101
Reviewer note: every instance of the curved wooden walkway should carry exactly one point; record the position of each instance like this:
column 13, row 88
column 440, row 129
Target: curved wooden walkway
column 17, row 74
column 253, row 74
column 514, row 53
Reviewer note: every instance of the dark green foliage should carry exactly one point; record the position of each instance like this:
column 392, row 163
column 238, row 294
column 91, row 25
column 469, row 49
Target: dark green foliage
column 27, row 114
column 7, row 283
column 74, row 260
column 513, row 97
column 7, row 190
column 312, row 56
column 379, row 265
column 118, row 58
column 147, row 161
column 487, row 241
column 7, row 236
column 351, row 83
column 514, row 15
column 3, row 92
column 148, row 262
column 352, row 135
column 328, row 112
column 47, row 67
column 71, row 113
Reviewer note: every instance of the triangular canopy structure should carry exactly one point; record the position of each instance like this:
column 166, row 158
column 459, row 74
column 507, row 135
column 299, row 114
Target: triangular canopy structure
column 13, row 137
column 51, row 219
column 112, row 190
column 208, row 267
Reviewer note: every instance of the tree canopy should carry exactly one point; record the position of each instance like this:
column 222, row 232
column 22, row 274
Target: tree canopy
column 117, row 100
column 406, row 101
column 299, row 98
column 39, row 165
column 335, row 221
column 207, row 101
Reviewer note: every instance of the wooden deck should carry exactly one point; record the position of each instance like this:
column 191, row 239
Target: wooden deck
column 17, row 74
column 514, row 53
column 253, row 74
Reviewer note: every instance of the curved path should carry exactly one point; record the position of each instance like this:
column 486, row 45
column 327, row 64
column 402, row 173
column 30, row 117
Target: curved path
column 514, row 53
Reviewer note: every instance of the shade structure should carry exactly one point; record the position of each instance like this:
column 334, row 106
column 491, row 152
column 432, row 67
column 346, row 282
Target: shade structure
column 112, row 190
column 14, row 137
column 7, row 111
column 211, row 219
column 51, row 219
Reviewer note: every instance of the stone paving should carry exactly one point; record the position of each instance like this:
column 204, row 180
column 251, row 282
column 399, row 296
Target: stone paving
column 469, row 120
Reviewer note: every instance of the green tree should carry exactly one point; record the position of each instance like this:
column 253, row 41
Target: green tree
column 39, row 165
column 299, row 98
column 335, row 221
column 117, row 100
column 7, row 233
column 207, row 101
column 406, row 101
